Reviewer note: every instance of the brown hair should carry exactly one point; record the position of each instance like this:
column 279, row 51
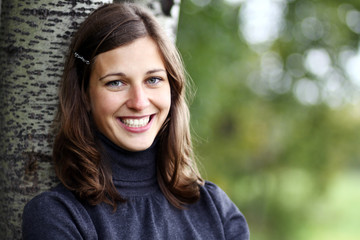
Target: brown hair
column 76, row 152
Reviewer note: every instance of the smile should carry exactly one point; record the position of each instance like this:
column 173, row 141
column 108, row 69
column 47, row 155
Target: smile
column 135, row 122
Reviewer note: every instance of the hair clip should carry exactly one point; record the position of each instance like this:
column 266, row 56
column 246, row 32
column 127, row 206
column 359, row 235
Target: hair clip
column 81, row 58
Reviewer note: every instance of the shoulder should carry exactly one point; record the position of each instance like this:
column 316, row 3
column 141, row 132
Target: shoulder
column 234, row 222
column 58, row 192
column 54, row 214
column 55, row 200
column 213, row 189
column 216, row 194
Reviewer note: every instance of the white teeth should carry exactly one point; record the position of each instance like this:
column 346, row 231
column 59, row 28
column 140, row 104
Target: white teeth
column 136, row 122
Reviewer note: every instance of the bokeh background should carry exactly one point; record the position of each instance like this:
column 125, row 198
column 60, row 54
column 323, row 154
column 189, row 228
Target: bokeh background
column 276, row 116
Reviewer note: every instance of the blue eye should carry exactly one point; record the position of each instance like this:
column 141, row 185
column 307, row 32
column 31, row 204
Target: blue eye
column 114, row 84
column 154, row 80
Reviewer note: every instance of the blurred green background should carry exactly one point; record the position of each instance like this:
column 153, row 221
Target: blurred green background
column 276, row 116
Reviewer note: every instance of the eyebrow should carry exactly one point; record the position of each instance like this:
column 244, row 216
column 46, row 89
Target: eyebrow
column 124, row 75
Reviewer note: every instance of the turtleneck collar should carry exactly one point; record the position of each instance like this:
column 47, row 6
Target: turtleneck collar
column 133, row 172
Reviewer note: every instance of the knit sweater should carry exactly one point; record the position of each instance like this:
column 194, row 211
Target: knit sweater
column 147, row 214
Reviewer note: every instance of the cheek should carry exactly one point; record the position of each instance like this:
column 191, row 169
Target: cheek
column 101, row 104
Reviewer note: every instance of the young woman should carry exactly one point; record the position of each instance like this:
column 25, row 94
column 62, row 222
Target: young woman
column 123, row 150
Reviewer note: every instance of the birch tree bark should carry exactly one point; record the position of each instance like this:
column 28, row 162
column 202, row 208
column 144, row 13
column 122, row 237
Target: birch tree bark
column 34, row 36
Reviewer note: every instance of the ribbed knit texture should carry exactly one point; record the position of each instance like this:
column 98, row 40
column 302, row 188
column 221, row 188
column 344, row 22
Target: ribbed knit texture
column 134, row 173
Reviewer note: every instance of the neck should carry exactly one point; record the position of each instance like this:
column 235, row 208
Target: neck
column 132, row 171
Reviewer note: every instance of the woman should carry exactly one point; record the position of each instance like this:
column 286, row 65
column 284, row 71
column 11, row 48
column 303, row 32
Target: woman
column 123, row 151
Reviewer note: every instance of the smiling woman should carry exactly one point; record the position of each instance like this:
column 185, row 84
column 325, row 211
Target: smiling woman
column 123, row 150
column 129, row 94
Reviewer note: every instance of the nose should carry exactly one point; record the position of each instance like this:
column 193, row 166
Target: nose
column 138, row 98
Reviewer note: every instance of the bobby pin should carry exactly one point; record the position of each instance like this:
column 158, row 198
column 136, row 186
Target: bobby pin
column 81, row 58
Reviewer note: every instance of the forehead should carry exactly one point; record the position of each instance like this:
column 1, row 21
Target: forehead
column 140, row 53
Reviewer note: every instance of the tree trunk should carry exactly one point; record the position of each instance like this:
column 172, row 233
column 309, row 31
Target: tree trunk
column 34, row 36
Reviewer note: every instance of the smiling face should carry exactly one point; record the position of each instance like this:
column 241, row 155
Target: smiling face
column 129, row 94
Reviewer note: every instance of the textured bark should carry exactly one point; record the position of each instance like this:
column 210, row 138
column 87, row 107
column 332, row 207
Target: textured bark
column 34, row 36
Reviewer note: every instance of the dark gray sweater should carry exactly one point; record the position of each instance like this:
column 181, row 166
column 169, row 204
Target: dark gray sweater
column 58, row 214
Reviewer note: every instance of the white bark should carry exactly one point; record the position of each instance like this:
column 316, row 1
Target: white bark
column 34, row 36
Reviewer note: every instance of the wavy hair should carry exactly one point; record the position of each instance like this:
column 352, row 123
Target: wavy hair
column 76, row 152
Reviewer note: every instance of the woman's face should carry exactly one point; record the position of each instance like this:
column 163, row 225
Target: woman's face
column 129, row 94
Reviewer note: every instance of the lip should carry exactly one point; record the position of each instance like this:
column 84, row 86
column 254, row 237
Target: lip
column 137, row 129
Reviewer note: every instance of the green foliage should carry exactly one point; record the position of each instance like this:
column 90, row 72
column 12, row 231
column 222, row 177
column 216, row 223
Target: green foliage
column 290, row 165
